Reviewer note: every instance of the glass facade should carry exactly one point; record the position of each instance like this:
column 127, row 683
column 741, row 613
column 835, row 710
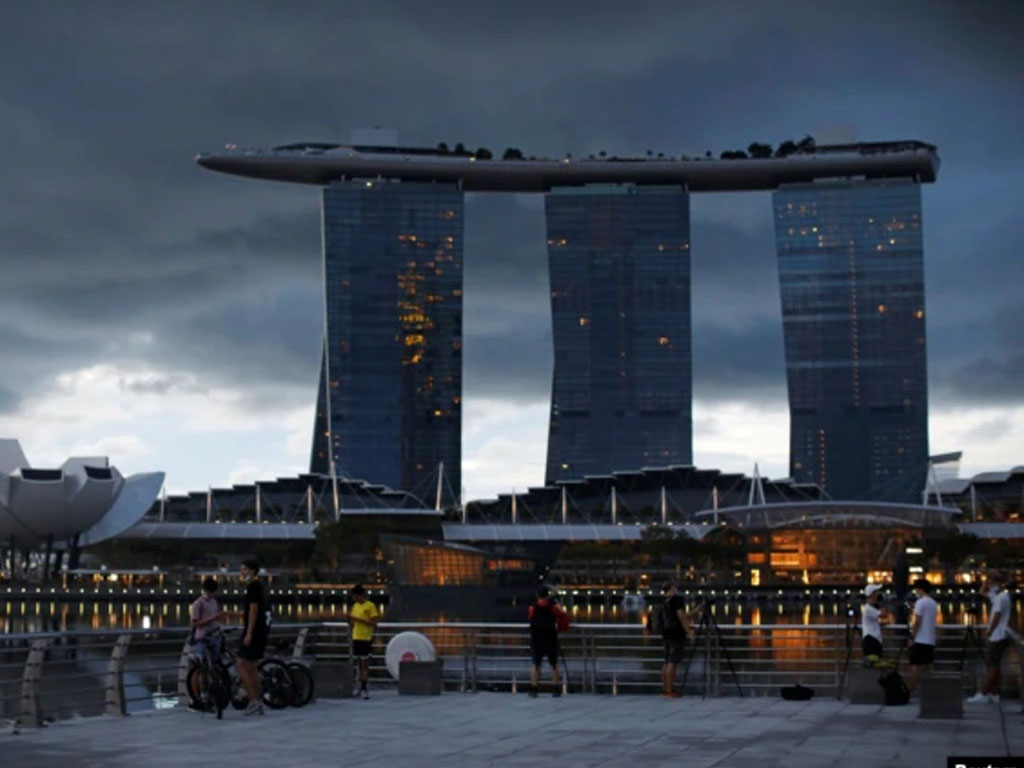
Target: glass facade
column 390, row 403
column 619, row 261
column 851, row 276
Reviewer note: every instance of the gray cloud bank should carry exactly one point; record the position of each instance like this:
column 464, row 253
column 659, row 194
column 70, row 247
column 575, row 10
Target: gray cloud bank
column 110, row 233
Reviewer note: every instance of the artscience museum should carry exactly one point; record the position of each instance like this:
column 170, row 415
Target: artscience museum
column 82, row 502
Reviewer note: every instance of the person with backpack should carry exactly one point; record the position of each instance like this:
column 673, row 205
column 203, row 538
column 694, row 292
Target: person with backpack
column 546, row 619
column 669, row 619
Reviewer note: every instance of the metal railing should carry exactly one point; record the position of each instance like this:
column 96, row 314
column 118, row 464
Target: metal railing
column 56, row 675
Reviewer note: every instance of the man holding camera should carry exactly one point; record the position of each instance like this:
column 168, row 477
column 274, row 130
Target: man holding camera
column 998, row 640
column 870, row 625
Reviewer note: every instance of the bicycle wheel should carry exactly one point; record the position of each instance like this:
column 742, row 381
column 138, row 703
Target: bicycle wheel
column 198, row 688
column 302, row 683
column 275, row 683
column 220, row 689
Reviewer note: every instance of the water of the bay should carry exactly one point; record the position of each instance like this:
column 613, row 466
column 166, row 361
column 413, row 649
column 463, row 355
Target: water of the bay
column 52, row 616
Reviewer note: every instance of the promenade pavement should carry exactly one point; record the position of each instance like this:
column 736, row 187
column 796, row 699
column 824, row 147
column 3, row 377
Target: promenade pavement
column 501, row 729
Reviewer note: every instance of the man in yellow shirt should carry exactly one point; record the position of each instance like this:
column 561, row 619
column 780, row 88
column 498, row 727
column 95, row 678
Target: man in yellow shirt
column 363, row 618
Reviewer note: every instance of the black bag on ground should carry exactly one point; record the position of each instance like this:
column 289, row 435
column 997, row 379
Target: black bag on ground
column 797, row 693
column 897, row 694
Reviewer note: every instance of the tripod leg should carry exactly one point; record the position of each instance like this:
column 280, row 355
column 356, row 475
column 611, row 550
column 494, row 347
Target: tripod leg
column 728, row 658
column 693, row 651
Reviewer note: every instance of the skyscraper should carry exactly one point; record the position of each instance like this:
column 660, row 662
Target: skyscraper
column 390, row 402
column 852, row 282
column 619, row 261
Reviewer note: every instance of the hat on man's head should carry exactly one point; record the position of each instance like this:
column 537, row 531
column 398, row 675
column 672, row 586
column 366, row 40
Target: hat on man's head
column 870, row 589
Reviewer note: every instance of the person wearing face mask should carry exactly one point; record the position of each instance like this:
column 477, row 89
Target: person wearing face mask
column 998, row 640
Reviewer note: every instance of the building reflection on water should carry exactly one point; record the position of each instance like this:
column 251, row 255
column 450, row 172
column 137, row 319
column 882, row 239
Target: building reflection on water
column 54, row 616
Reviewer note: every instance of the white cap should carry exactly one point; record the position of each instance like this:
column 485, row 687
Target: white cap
column 870, row 589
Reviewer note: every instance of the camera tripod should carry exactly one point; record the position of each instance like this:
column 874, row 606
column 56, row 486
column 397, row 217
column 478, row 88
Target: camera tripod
column 851, row 630
column 970, row 636
column 707, row 625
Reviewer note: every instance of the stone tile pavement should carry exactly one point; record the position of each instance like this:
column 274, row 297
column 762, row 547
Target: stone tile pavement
column 501, row 729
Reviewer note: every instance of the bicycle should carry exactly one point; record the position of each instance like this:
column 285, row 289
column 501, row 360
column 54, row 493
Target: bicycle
column 302, row 678
column 214, row 683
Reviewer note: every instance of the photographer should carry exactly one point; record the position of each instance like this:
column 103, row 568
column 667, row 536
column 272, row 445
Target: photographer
column 998, row 640
column 870, row 625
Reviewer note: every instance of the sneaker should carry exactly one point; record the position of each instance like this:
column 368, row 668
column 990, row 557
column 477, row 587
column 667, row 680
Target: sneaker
column 980, row 698
column 254, row 708
column 533, row 692
column 672, row 695
column 364, row 693
column 557, row 692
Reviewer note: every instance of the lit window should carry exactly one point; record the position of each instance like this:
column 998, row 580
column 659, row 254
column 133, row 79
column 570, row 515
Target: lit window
column 663, row 340
column 584, row 321
column 919, row 314
column 882, row 309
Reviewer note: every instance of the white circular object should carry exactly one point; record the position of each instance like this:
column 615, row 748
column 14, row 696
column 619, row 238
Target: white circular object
column 408, row 646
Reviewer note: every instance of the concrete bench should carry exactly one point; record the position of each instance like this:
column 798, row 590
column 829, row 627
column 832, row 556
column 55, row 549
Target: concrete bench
column 862, row 686
column 419, row 678
column 941, row 696
column 334, row 681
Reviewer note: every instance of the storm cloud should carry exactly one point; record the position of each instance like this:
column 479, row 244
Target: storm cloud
column 116, row 248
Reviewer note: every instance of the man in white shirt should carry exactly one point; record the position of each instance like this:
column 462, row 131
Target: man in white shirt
column 922, row 629
column 998, row 639
column 870, row 626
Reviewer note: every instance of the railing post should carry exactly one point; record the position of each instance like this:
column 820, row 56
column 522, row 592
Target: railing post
column 115, row 704
column 31, row 705
column 184, row 664
column 472, row 659
column 300, row 644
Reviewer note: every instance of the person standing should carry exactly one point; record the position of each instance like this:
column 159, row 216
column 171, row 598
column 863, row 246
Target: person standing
column 546, row 619
column 998, row 640
column 256, row 618
column 363, row 618
column 922, row 630
column 206, row 616
column 674, row 631
column 870, row 624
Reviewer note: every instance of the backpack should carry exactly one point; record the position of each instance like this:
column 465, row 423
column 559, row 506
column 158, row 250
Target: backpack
column 543, row 622
column 896, row 692
column 797, row 693
column 660, row 620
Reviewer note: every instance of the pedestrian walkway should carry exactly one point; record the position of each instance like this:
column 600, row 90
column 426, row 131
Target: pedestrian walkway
column 502, row 729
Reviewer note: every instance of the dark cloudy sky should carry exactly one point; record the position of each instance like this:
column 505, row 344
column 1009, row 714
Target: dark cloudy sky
column 171, row 317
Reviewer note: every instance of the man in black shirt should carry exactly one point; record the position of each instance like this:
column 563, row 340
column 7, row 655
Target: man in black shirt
column 254, row 635
column 674, row 631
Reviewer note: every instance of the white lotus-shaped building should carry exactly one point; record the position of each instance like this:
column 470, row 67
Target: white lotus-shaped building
column 85, row 498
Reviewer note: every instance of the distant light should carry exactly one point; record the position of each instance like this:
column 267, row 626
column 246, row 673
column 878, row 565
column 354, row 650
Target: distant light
column 914, row 551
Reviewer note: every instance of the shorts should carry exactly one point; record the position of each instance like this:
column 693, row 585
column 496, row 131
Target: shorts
column 254, row 650
column 871, row 646
column 674, row 647
column 921, row 654
column 542, row 650
column 994, row 651
column 362, row 649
